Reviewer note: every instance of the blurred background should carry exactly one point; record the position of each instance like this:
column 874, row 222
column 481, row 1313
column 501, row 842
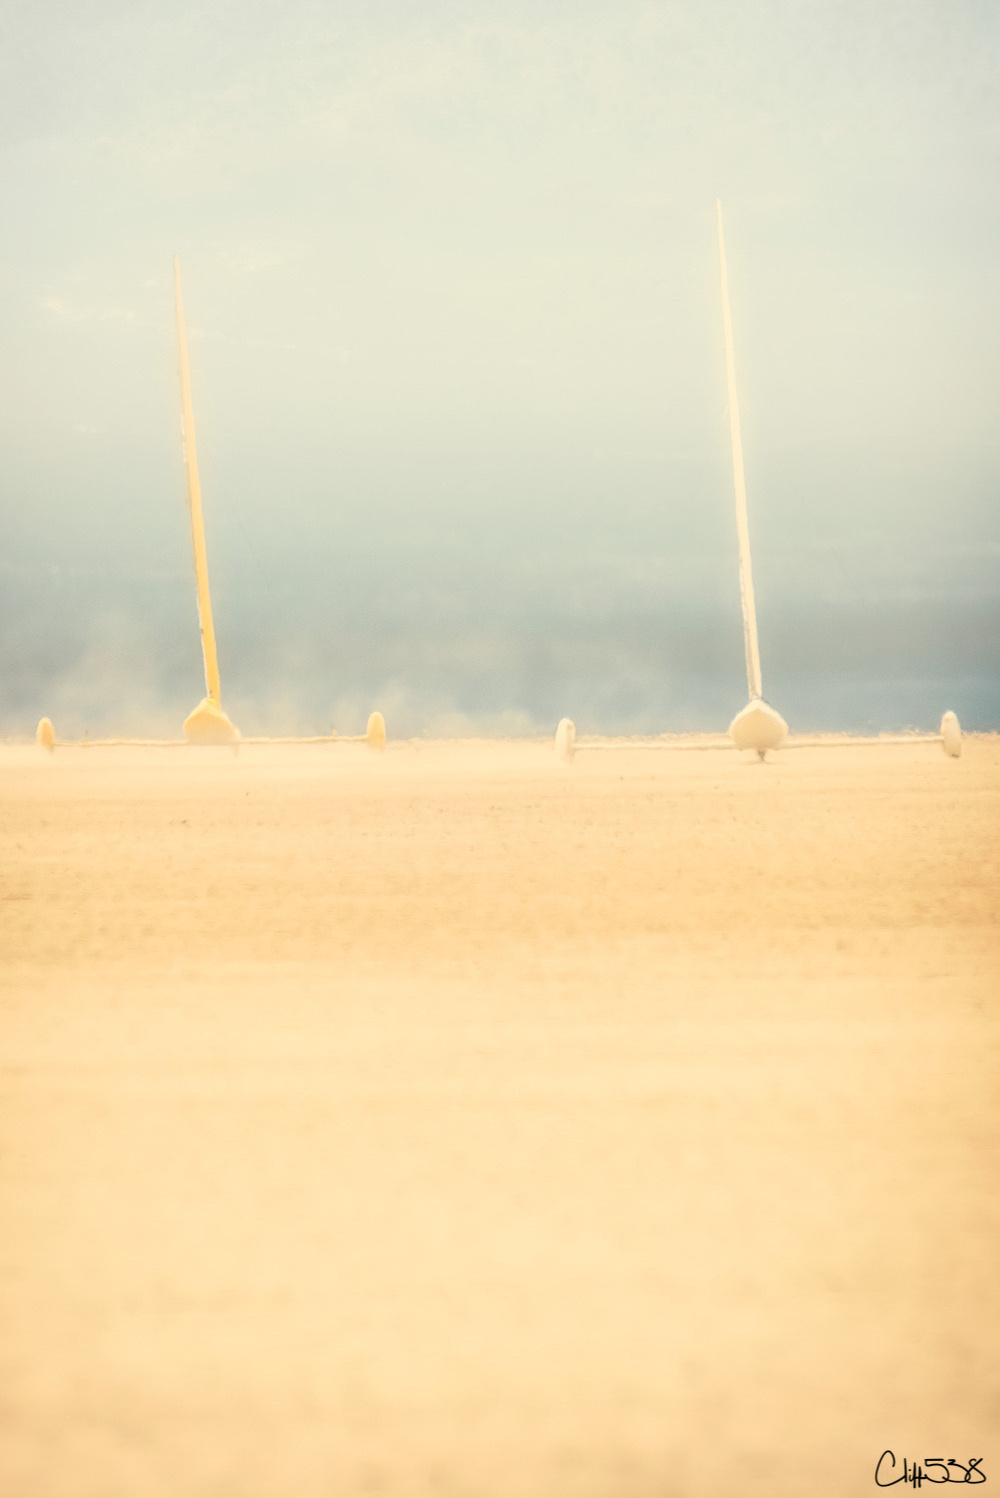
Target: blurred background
column 452, row 294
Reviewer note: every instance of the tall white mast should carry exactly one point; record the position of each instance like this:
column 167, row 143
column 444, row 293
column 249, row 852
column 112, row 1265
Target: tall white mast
column 750, row 645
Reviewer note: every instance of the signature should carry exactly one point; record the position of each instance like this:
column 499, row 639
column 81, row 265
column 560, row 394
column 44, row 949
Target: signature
column 914, row 1473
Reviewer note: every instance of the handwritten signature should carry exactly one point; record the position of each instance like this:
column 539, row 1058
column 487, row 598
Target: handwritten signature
column 915, row 1474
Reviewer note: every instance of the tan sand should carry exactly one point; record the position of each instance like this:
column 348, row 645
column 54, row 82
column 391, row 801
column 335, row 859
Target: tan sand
column 455, row 1123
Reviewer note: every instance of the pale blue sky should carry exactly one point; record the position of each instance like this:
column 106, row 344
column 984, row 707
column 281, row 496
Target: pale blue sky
column 456, row 349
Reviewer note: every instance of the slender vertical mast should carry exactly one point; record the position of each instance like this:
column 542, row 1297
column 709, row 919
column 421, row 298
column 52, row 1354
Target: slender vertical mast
column 194, row 505
column 746, row 575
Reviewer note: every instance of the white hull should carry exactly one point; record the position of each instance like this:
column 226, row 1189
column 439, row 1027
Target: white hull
column 951, row 735
column 566, row 740
column 758, row 726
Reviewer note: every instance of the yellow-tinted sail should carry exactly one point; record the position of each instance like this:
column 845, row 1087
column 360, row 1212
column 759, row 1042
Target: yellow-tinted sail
column 208, row 723
column 739, row 484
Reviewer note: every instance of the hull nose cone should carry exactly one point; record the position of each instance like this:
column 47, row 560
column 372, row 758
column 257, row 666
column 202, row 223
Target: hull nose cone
column 758, row 726
column 208, row 724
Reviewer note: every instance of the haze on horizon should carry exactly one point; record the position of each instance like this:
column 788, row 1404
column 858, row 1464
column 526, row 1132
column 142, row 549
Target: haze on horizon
column 452, row 295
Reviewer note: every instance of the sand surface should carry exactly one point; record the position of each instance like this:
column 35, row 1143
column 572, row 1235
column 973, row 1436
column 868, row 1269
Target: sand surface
column 455, row 1123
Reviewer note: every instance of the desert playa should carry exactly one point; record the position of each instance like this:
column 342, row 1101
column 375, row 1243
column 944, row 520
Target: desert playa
column 455, row 1122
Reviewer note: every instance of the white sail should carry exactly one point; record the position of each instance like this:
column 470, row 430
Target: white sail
column 739, row 484
column 757, row 726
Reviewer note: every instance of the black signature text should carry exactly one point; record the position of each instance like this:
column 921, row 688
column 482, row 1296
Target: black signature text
column 934, row 1469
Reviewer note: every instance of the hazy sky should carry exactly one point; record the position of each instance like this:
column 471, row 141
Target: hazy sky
column 452, row 293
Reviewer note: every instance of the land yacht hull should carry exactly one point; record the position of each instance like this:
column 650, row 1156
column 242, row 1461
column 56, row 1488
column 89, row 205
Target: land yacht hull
column 758, row 726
